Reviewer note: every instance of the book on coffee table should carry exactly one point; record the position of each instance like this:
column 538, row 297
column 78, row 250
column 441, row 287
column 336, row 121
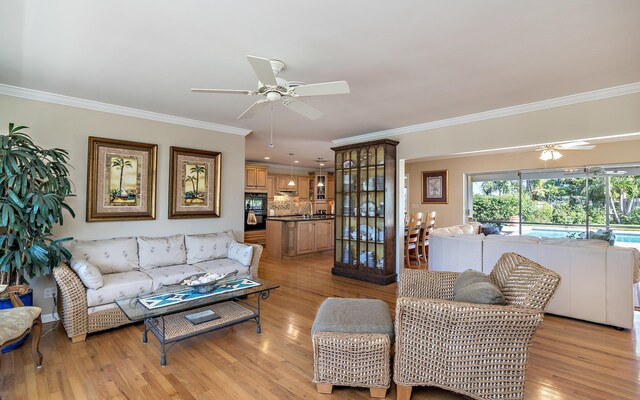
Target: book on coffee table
column 202, row 316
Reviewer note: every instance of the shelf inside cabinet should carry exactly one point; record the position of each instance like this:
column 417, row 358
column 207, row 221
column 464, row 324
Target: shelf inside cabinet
column 365, row 211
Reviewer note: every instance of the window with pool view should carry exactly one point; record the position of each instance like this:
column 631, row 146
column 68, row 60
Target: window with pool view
column 569, row 202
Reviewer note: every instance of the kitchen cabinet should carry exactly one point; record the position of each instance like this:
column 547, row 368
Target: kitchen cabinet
column 282, row 184
column 271, row 187
column 288, row 237
column 323, row 235
column 331, row 188
column 257, row 237
column 255, row 178
column 305, row 232
column 365, row 209
column 303, row 188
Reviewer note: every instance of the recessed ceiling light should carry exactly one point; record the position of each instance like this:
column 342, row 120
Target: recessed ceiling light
column 267, row 158
column 296, row 161
column 322, row 164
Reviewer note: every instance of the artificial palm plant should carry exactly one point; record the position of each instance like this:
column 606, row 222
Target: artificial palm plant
column 34, row 183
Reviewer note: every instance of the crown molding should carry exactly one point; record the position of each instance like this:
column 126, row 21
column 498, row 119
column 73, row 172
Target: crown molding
column 498, row 113
column 38, row 95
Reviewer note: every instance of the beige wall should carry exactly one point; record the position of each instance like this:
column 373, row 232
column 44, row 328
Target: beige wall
column 69, row 127
column 453, row 213
column 612, row 116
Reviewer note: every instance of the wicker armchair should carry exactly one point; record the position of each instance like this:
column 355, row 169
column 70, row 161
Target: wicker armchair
column 476, row 350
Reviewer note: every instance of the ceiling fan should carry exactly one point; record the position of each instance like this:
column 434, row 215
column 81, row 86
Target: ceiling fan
column 550, row 151
column 275, row 89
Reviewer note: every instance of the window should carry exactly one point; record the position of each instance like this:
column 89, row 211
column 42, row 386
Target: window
column 568, row 202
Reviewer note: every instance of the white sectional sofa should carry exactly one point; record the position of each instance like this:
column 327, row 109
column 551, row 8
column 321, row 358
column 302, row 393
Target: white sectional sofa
column 597, row 279
column 102, row 271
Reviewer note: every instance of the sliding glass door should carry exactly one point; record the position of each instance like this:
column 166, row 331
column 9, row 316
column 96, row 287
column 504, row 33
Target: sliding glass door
column 568, row 202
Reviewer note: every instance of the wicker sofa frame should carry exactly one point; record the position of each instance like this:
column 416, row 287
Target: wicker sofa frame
column 476, row 350
column 73, row 309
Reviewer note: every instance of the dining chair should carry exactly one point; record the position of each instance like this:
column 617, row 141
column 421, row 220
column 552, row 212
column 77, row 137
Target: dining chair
column 424, row 235
column 416, row 219
column 411, row 239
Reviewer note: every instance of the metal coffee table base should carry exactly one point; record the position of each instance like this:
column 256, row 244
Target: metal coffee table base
column 172, row 328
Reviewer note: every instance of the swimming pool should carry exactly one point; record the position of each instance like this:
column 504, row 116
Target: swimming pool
column 557, row 233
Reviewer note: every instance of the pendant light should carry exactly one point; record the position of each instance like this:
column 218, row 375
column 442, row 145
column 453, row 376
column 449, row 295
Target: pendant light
column 320, row 181
column 291, row 182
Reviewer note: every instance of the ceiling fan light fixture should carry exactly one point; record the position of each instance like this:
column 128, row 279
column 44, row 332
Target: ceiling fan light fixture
column 550, row 154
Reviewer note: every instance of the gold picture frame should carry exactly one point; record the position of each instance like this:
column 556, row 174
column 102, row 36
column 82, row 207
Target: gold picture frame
column 435, row 187
column 121, row 180
column 194, row 183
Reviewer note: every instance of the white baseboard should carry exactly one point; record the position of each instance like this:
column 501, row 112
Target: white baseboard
column 50, row 317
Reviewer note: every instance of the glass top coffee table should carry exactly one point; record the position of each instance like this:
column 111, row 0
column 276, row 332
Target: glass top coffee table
column 171, row 323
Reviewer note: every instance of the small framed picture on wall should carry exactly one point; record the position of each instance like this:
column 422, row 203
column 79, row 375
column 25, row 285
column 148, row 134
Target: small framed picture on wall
column 121, row 180
column 435, row 187
column 194, row 183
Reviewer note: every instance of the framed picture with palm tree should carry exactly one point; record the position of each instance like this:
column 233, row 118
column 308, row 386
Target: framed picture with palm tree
column 121, row 180
column 194, row 183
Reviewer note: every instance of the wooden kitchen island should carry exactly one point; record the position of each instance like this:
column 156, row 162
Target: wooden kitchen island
column 293, row 236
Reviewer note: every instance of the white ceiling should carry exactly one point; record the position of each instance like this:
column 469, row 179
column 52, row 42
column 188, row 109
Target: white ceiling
column 407, row 62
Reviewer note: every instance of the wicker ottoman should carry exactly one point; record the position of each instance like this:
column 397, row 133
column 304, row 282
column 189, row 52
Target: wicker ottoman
column 351, row 345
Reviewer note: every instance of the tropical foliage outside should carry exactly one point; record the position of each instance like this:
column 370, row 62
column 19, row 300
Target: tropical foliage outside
column 560, row 201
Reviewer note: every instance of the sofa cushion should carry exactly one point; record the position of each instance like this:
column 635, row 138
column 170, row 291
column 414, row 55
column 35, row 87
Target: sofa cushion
column 515, row 238
column 171, row 275
column 450, row 230
column 108, row 255
column 475, row 287
column 573, row 242
column 222, row 266
column 118, row 286
column 241, row 253
column 88, row 273
column 468, row 229
column 161, row 251
column 208, row 247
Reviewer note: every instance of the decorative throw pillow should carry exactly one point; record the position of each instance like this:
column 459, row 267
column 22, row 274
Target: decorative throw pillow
column 88, row 274
column 108, row 255
column 468, row 229
column 208, row 247
column 161, row 251
column 241, row 253
column 475, row 287
column 600, row 234
column 490, row 229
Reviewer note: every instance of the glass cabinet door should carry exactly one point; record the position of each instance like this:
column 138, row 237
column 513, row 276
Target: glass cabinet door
column 360, row 209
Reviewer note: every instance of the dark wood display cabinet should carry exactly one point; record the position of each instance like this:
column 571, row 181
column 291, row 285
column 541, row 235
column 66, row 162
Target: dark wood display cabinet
column 365, row 208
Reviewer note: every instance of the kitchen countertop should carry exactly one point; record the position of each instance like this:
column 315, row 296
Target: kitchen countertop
column 296, row 218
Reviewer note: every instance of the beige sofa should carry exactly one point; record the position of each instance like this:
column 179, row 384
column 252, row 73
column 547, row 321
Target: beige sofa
column 597, row 278
column 102, row 271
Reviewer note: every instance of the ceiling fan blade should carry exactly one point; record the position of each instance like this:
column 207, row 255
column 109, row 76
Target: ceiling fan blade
column 572, row 144
column 262, row 68
column 254, row 109
column 578, row 147
column 321, row 89
column 224, row 91
column 303, row 109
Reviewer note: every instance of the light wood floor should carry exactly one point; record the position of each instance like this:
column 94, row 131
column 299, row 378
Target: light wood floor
column 569, row 359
